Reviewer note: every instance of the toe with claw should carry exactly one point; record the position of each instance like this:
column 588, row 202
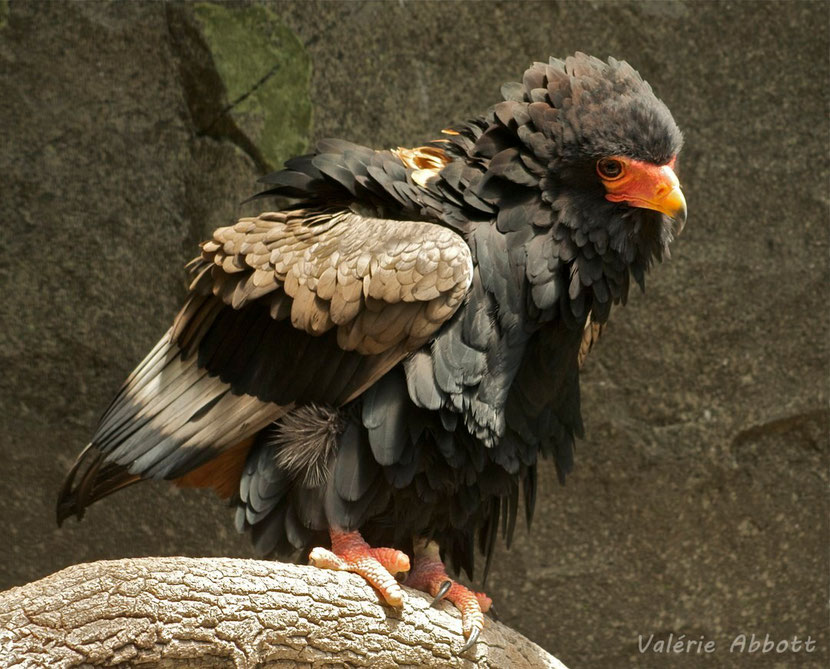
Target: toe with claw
column 429, row 575
column 379, row 566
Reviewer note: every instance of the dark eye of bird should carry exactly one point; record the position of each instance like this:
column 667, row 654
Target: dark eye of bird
column 609, row 168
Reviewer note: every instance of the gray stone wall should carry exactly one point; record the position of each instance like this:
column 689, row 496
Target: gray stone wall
column 699, row 501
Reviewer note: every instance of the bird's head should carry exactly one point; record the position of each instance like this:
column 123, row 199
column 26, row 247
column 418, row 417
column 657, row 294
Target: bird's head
column 611, row 137
column 584, row 148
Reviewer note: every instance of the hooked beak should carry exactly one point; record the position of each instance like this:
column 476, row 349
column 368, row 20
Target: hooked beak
column 649, row 187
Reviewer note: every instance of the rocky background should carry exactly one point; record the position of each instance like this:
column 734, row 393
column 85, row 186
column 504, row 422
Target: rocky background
column 699, row 501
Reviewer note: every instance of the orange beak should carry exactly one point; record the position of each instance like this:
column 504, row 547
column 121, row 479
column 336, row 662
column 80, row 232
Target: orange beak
column 648, row 186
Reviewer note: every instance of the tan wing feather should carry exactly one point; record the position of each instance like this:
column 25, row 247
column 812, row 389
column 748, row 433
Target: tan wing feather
column 382, row 283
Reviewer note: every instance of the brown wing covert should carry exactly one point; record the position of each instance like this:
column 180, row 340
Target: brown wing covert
column 380, row 282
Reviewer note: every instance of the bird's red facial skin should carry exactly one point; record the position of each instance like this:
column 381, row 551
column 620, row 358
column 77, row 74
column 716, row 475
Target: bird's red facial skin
column 642, row 184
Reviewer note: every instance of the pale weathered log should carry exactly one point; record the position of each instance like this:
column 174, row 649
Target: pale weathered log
column 220, row 612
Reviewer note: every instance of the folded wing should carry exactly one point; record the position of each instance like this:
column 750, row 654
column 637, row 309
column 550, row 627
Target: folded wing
column 289, row 307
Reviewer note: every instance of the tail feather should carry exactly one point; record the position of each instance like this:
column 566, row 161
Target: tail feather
column 170, row 418
column 96, row 479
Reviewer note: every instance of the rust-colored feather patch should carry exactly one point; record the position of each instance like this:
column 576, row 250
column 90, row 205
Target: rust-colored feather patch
column 222, row 474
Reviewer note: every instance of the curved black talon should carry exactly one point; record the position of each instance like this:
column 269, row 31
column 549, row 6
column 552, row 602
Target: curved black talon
column 442, row 592
column 493, row 613
column 471, row 641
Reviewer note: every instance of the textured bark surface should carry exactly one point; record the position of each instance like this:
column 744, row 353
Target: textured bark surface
column 220, row 612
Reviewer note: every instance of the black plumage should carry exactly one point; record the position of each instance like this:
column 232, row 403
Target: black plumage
column 395, row 350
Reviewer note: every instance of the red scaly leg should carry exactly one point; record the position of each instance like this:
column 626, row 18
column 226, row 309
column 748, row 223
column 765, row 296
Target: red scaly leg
column 430, row 575
column 349, row 552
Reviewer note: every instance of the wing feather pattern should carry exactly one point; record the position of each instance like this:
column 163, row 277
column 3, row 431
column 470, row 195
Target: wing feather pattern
column 379, row 283
column 277, row 303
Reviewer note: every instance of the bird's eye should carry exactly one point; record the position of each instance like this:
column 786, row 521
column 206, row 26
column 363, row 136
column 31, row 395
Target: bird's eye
column 610, row 168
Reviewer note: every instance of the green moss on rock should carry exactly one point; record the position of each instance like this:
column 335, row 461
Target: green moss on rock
column 266, row 73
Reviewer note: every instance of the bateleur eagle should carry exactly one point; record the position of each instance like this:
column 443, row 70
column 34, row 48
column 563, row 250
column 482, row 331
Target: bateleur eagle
column 384, row 361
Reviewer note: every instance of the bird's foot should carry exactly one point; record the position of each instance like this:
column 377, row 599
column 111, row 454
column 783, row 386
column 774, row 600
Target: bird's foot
column 349, row 552
column 430, row 575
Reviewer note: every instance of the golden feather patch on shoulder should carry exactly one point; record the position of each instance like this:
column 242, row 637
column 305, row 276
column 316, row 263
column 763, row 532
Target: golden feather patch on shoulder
column 427, row 161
